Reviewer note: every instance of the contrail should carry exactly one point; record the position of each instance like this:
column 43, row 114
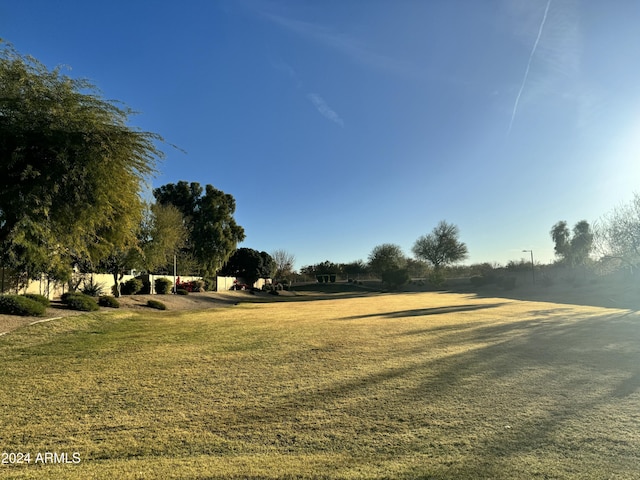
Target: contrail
column 526, row 73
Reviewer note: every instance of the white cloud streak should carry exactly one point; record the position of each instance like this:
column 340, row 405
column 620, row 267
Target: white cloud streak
column 324, row 109
column 526, row 73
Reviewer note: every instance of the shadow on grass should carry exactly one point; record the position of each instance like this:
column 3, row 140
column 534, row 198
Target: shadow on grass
column 563, row 390
column 419, row 312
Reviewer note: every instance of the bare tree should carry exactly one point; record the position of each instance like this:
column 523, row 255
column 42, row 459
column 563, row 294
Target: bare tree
column 285, row 262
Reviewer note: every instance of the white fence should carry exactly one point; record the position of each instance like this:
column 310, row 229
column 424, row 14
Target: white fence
column 51, row 289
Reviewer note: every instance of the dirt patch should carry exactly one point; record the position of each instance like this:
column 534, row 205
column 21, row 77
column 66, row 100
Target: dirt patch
column 193, row 301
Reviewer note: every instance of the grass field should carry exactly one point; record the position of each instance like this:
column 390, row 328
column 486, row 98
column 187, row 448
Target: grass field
column 424, row 385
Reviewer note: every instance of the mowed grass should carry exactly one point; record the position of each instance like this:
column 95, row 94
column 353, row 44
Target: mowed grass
column 424, row 385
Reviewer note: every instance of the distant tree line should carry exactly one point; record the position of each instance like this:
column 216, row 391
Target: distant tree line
column 433, row 252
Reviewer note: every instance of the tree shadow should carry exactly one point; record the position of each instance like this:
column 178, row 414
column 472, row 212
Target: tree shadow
column 419, row 312
column 517, row 387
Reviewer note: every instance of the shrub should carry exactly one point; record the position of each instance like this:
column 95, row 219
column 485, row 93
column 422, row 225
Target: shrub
column 477, row 280
column 396, row 277
column 108, row 301
column 80, row 301
column 20, row 305
column 146, row 285
column 38, row 298
column 163, row 285
column 92, row 289
column 156, row 304
column 182, row 291
column 131, row 286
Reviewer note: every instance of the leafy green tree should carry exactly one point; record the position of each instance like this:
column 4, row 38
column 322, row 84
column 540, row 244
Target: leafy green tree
column 561, row 236
column 386, row 257
column 573, row 248
column 269, row 266
column 161, row 236
column 355, row 269
column 212, row 231
column 248, row 264
column 441, row 247
column 71, row 169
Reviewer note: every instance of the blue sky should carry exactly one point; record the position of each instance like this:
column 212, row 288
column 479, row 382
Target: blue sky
column 341, row 125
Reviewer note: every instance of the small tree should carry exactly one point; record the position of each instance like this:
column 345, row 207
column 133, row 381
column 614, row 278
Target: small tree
column 386, row 257
column 284, row 262
column 441, row 247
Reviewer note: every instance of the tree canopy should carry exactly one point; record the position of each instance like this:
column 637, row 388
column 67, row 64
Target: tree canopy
column 71, row 169
column 213, row 234
column 441, row 247
column 249, row 264
column 573, row 249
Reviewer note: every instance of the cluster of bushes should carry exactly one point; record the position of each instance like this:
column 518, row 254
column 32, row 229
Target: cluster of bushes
column 24, row 305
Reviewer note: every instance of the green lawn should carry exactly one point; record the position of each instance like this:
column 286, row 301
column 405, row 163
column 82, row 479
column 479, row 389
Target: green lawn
column 424, row 385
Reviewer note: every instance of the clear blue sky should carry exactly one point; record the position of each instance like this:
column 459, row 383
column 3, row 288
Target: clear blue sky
column 341, row 125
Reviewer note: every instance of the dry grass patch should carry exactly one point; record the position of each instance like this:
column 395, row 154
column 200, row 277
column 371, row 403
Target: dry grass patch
column 388, row 386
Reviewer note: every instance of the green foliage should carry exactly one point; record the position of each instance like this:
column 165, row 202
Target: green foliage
column 20, row 305
column 248, row 264
column 92, row 289
column 441, row 247
column 395, row 278
column 437, row 278
column 572, row 249
column 79, row 301
column 38, row 298
column 71, row 169
column 131, row 286
column 156, row 304
column 161, row 236
column 163, row 285
column 108, row 301
column 386, row 257
column 213, row 232
column 182, row 291
column 477, row 280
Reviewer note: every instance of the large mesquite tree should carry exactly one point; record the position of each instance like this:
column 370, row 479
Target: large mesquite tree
column 71, row 169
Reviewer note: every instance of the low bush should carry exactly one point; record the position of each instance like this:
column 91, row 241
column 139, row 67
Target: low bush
column 108, row 301
column 20, row 305
column 163, row 286
column 156, row 304
column 80, row 301
column 131, row 286
column 182, row 291
column 38, row 298
column 92, row 289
